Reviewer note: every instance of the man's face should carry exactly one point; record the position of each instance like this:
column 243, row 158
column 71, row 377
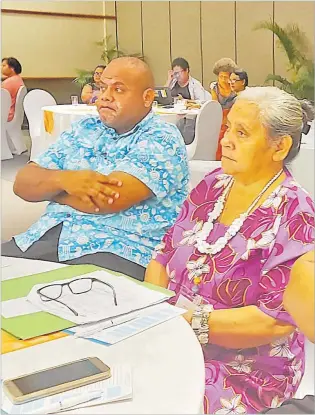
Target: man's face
column 6, row 70
column 122, row 102
column 180, row 74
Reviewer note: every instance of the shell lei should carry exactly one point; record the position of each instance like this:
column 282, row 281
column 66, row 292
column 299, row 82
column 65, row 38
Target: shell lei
column 212, row 249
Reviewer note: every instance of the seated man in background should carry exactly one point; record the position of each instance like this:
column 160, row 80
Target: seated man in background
column 90, row 92
column 298, row 300
column 182, row 84
column 11, row 69
column 115, row 182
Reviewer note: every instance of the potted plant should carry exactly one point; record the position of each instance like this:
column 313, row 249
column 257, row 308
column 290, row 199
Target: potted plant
column 298, row 49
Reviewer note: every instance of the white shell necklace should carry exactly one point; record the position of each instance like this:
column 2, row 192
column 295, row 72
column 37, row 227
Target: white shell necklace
column 206, row 248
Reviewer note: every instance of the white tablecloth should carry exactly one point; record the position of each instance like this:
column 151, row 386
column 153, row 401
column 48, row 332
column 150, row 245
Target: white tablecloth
column 167, row 361
column 59, row 118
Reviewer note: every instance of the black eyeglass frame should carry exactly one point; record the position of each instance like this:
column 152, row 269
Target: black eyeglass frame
column 68, row 284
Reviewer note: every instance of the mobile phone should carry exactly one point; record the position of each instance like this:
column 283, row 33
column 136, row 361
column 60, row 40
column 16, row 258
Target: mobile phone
column 56, row 379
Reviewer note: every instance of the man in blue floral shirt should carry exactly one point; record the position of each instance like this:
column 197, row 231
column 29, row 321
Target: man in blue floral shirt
column 115, row 182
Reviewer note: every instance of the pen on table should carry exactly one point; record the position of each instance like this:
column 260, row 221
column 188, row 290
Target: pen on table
column 68, row 403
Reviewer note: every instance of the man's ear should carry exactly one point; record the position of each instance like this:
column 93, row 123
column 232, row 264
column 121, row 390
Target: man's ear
column 148, row 97
column 282, row 147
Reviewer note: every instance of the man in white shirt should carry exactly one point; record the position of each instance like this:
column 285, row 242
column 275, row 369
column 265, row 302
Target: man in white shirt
column 181, row 83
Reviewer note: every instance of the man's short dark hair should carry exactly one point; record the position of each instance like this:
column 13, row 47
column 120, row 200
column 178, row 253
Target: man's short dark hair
column 242, row 75
column 14, row 64
column 180, row 62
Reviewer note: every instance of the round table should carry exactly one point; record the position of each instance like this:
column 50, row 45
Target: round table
column 58, row 118
column 167, row 361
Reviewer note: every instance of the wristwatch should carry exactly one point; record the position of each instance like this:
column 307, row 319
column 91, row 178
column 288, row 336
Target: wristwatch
column 199, row 322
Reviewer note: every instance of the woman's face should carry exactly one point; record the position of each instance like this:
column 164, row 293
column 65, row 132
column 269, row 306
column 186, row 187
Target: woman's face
column 246, row 149
column 224, row 79
column 237, row 84
column 97, row 75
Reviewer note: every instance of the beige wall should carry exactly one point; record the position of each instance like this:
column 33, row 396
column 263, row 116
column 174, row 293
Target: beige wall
column 161, row 30
column 50, row 46
column 196, row 30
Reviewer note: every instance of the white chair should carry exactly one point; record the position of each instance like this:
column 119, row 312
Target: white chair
column 202, row 151
column 33, row 103
column 5, row 108
column 14, row 126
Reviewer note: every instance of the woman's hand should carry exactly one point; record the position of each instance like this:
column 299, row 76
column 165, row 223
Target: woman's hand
column 188, row 316
column 156, row 274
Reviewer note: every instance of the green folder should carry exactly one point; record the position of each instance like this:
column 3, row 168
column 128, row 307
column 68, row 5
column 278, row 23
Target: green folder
column 38, row 324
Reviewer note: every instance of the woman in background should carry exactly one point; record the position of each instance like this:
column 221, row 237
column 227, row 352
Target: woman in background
column 238, row 80
column 221, row 91
column 90, row 92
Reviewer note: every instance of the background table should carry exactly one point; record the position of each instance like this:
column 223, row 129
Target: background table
column 58, row 118
column 167, row 361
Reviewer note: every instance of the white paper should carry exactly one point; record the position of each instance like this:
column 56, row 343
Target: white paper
column 98, row 304
column 117, row 387
column 146, row 319
column 17, row 307
column 6, row 261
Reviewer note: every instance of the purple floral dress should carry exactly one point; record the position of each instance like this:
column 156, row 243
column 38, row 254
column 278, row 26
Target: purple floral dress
column 253, row 269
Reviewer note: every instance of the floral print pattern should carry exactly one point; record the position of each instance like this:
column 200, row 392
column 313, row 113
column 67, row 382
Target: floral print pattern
column 253, row 269
column 153, row 152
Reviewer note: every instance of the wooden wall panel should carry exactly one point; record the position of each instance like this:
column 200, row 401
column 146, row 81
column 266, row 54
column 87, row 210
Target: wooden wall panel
column 217, row 35
column 254, row 48
column 156, row 38
column 129, row 26
column 185, row 34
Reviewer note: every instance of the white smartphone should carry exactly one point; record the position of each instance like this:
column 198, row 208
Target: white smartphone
column 54, row 380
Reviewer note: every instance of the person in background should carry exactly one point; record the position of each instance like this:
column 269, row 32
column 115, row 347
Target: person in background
column 298, row 301
column 238, row 80
column 90, row 92
column 11, row 70
column 115, row 182
column 229, row 255
column 183, row 84
column 221, row 91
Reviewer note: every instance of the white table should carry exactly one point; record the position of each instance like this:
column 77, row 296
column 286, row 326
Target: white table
column 64, row 115
column 167, row 361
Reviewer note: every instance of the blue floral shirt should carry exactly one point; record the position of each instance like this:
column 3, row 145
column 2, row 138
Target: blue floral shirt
column 153, row 152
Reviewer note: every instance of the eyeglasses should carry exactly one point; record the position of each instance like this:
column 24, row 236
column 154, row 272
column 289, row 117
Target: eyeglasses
column 232, row 81
column 78, row 286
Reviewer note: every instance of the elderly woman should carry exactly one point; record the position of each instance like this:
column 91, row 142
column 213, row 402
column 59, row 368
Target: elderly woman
column 90, row 92
column 221, row 91
column 229, row 255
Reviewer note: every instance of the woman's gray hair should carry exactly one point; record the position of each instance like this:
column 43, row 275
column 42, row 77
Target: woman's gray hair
column 281, row 114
